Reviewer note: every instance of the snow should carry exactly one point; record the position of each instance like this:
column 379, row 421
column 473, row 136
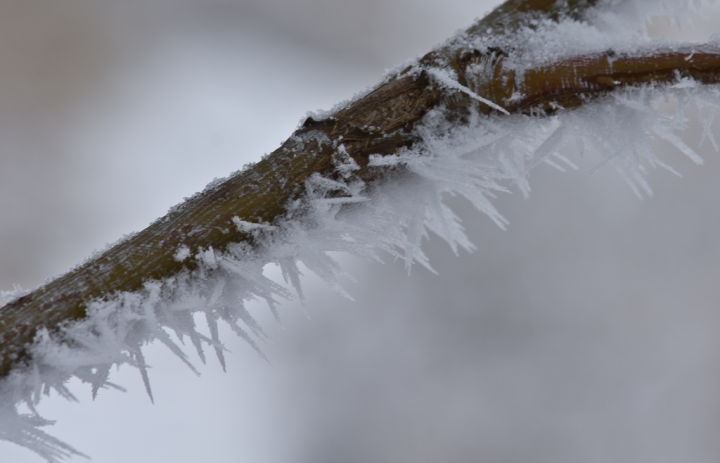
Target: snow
column 488, row 155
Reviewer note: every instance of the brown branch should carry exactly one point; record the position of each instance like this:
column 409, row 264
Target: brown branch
column 261, row 193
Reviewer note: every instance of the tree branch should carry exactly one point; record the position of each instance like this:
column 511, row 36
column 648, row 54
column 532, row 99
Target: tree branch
column 379, row 123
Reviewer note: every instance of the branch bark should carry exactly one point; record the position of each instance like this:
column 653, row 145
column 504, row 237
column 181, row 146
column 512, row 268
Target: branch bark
column 261, row 194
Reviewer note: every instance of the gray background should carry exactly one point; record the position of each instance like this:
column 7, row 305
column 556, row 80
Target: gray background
column 588, row 331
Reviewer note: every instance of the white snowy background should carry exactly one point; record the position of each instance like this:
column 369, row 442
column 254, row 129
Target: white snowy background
column 588, row 331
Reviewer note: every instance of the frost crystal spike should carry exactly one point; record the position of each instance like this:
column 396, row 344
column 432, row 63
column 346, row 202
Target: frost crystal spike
column 472, row 117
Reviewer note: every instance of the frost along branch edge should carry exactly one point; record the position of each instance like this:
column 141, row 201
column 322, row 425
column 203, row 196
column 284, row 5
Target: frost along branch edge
column 207, row 254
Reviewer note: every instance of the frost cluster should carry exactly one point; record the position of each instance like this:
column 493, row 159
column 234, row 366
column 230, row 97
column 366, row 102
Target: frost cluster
column 485, row 156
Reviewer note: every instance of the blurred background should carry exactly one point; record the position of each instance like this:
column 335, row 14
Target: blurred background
column 588, row 331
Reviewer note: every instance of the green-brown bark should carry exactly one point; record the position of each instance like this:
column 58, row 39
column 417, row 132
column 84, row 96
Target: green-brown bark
column 261, row 193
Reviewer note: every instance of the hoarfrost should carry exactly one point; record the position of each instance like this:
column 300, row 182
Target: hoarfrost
column 478, row 159
column 182, row 253
column 13, row 295
column 444, row 77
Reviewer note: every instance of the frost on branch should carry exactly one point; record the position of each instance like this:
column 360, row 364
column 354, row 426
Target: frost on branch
column 477, row 160
column 476, row 156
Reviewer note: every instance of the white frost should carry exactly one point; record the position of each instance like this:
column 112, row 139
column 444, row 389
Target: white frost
column 488, row 155
column 443, row 76
column 182, row 253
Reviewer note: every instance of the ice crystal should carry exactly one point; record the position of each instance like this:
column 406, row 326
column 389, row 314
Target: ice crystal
column 478, row 159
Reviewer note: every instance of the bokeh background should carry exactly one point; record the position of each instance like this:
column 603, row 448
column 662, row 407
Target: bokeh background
column 588, row 331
